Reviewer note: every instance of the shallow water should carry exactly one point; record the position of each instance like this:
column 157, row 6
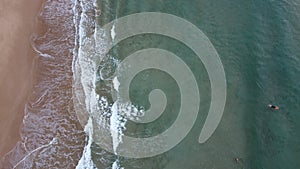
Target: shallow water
column 257, row 42
column 51, row 136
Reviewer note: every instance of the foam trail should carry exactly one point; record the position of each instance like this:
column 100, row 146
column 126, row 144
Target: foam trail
column 84, row 69
column 53, row 141
column 116, row 84
column 120, row 113
column 86, row 161
column 92, row 45
column 116, row 165
column 45, row 55
column 114, row 127
column 113, row 33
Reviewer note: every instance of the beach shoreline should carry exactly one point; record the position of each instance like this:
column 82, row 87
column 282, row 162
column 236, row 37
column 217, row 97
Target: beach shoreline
column 18, row 23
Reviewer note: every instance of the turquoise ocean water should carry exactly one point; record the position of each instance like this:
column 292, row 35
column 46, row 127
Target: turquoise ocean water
column 257, row 42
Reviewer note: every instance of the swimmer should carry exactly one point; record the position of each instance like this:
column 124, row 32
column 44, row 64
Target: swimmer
column 273, row 107
column 237, row 159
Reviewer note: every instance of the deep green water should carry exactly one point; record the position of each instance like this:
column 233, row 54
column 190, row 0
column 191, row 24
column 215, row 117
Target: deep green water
column 258, row 43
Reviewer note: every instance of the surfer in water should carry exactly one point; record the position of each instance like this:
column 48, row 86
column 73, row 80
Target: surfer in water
column 273, row 107
column 238, row 160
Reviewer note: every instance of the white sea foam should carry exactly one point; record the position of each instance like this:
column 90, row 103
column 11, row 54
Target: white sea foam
column 92, row 45
column 120, row 113
column 92, row 48
column 86, row 161
column 116, row 132
column 116, row 84
column 84, row 69
column 113, row 33
column 45, row 55
column 23, row 160
column 116, row 165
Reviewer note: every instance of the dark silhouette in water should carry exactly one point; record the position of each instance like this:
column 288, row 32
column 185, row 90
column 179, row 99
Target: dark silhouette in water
column 238, row 160
column 273, row 107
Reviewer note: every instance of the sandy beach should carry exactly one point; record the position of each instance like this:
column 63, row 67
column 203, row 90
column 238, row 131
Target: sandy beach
column 18, row 22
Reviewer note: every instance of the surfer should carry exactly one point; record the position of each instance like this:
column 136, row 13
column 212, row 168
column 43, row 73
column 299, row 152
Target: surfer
column 237, row 159
column 273, row 107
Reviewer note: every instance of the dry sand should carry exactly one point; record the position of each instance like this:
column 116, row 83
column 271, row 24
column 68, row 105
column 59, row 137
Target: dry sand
column 17, row 23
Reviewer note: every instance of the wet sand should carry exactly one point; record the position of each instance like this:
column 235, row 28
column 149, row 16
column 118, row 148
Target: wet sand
column 18, row 22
